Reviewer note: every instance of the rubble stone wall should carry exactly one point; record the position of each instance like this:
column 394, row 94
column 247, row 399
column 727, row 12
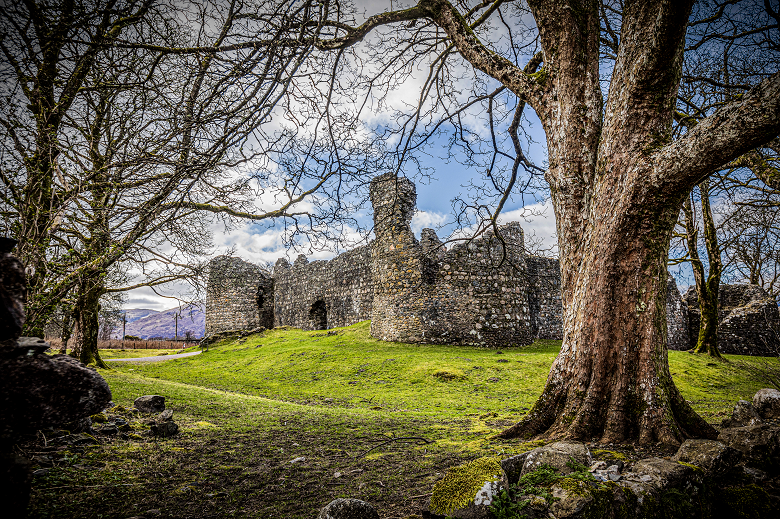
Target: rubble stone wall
column 324, row 294
column 239, row 296
column 544, row 297
column 678, row 337
column 475, row 293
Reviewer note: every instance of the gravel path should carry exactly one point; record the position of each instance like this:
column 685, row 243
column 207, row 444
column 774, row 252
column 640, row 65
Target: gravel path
column 159, row 358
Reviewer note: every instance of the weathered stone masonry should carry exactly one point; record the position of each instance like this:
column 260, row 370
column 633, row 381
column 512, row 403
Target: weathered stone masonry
column 324, row 294
column 748, row 320
column 239, row 296
column 485, row 292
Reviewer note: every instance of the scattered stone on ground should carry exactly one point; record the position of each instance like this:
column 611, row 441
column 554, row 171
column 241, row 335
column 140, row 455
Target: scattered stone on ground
column 759, row 444
column 342, row 508
column 713, row 456
column 767, row 403
column 164, row 429
column 736, row 476
column 513, row 467
column 150, row 403
column 744, row 414
column 558, row 455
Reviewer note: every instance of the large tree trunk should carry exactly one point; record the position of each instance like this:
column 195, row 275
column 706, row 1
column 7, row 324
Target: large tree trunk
column 611, row 380
column 616, row 204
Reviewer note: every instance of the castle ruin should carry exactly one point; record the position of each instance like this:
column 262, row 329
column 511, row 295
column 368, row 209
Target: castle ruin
column 486, row 292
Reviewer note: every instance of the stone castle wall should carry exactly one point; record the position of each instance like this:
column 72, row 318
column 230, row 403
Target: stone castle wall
column 748, row 320
column 475, row 293
column 324, row 294
column 483, row 292
column 678, row 336
column 544, row 297
column 239, row 296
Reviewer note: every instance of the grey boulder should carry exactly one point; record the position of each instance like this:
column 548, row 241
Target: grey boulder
column 767, row 403
column 713, row 456
column 165, row 429
column 150, row 403
column 39, row 391
column 744, row 414
column 348, row 508
column 557, row 455
column 759, row 444
column 513, row 467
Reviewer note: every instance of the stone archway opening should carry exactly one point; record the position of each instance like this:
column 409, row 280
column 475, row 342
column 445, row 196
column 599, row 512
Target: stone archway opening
column 318, row 314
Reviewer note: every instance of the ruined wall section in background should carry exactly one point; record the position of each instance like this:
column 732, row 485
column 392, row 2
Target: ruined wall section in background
column 239, row 296
column 324, row 294
column 485, row 292
column 678, row 336
column 748, row 320
column 544, row 297
column 471, row 294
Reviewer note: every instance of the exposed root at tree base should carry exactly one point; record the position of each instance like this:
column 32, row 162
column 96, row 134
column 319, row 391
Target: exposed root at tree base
column 665, row 427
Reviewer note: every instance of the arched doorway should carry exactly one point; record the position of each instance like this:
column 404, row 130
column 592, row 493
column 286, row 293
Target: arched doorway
column 319, row 315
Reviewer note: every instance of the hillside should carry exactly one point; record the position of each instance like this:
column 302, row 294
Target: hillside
column 148, row 323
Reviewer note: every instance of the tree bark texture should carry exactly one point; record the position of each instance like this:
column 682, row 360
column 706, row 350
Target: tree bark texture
column 617, row 184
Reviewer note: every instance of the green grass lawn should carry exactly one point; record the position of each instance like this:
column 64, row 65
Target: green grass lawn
column 372, row 420
column 351, row 369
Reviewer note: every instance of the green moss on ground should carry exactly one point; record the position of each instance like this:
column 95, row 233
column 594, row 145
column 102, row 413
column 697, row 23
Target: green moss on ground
column 603, row 454
column 748, row 502
column 460, row 485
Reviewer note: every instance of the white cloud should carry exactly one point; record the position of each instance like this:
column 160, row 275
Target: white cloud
column 427, row 219
column 538, row 222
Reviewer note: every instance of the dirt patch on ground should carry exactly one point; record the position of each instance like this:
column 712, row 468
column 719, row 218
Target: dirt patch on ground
column 289, row 470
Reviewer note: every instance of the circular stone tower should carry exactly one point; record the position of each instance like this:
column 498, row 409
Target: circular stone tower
column 395, row 257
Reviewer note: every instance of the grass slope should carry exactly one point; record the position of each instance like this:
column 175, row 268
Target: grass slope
column 371, row 420
column 349, row 368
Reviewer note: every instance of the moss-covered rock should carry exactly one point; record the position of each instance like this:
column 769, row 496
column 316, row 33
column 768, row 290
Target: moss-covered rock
column 99, row 418
column 602, row 454
column 749, row 502
column 759, row 444
column 714, row 457
column 558, row 455
column 467, row 491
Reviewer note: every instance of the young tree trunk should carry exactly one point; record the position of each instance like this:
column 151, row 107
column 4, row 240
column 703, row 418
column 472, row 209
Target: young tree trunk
column 706, row 285
column 85, row 348
column 67, row 329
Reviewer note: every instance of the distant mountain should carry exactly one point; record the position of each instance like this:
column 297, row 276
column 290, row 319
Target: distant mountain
column 134, row 314
column 149, row 323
